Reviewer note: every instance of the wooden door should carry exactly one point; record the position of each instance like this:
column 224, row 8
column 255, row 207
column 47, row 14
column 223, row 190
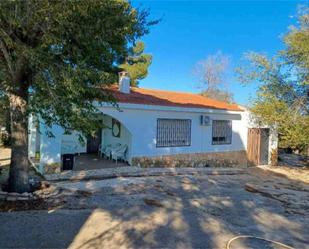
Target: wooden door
column 93, row 142
column 254, row 146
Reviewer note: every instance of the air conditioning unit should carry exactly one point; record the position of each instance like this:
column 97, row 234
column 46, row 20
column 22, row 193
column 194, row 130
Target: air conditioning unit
column 205, row 120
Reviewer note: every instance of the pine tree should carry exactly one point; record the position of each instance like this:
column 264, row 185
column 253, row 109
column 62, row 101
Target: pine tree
column 137, row 63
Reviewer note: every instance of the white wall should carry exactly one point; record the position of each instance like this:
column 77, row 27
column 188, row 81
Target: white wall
column 39, row 141
column 50, row 146
column 139, row 127
column 142, row 124
column 72, row 140
column 53, row 147
column 32, row 137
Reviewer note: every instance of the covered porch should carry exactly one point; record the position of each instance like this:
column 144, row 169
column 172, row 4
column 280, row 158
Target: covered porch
column 110, row 147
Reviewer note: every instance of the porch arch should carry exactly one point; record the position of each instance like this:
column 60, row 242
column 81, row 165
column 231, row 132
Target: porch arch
column 115, row 133
column 123, row 119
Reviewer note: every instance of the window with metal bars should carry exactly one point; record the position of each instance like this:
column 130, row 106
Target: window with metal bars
column 173, row 132
column 221, row 132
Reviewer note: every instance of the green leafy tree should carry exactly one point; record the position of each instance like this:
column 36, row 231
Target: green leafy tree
column 137, row 63
column 283, row 86
column 297, row 51
column 55, row 56
column 212, row 75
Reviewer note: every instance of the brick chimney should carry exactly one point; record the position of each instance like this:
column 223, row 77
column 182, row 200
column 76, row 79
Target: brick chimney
column 124, row 82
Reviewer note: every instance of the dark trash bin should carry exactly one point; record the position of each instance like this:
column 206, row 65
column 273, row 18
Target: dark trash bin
column 67, row 161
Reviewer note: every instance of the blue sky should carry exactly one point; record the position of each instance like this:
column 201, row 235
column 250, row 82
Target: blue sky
column 191, row 30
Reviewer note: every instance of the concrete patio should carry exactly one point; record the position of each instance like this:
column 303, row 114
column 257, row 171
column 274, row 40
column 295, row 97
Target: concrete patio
column 93, row 161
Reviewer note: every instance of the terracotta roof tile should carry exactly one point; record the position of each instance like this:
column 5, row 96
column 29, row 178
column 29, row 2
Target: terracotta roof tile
column 168, row 98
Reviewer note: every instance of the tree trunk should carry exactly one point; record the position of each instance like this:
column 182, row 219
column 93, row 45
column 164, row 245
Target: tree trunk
column 18, row 178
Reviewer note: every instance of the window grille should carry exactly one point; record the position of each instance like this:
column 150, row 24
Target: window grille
column 221, row 132
column 173, row 132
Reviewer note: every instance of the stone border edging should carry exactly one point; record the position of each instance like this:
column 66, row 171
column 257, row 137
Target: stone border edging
column 12, row 196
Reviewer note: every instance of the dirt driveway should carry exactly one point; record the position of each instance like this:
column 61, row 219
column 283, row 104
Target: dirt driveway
column 5, row 159
column 199, row 211
column 5, row 156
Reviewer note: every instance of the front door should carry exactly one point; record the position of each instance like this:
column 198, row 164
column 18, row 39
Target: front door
column 253, row 146
column 93, row 142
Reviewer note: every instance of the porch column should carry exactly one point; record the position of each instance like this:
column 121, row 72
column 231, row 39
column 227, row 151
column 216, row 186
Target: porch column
column 31, row 137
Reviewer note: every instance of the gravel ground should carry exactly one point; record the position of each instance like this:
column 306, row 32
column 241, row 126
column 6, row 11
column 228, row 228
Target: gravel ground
column 184, row 211
column 293, row 160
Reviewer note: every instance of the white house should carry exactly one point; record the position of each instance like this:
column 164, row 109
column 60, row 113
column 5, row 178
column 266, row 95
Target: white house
column 162, row 128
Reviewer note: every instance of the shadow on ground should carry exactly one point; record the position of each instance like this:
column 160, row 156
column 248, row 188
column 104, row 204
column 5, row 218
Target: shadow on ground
column 198, row 211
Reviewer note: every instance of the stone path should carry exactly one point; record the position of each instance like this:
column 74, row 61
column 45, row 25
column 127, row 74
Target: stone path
column 101, row 174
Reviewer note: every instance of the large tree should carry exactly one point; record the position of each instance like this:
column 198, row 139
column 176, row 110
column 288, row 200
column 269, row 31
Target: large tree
column 283, row 86
column 55, row 55
column 137, row 63
column 212, row 75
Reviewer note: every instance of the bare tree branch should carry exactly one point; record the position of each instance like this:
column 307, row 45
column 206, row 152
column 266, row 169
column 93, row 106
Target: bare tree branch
column 212, row 73
column 212, row 70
